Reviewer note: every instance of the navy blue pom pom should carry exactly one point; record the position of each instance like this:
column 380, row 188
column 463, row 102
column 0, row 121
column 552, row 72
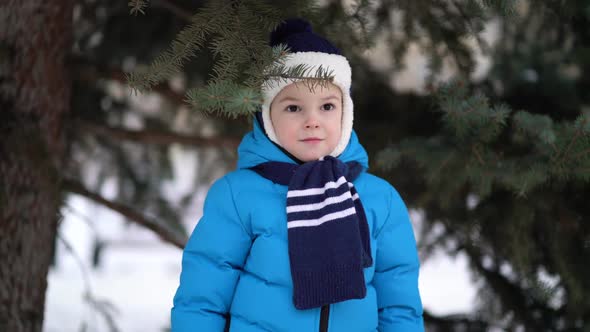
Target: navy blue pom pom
column 287, row 28
column 298, row 35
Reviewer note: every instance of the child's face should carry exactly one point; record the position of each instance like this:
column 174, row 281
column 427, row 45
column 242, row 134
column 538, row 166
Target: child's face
column 307, row 124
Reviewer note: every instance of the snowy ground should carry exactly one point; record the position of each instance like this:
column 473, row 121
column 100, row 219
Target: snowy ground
column 139, row 275
column 138, row 283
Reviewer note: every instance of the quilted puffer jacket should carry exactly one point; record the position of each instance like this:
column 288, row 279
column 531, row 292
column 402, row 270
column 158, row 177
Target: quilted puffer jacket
column 235, row 266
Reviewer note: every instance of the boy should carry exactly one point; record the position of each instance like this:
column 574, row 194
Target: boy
column 300, row 237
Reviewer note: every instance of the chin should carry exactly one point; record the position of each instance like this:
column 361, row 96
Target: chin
column 310, row 153
column 307, row 159
column 312, row 157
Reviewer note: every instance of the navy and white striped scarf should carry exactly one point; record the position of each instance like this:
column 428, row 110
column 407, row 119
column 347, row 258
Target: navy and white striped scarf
column 329, row 242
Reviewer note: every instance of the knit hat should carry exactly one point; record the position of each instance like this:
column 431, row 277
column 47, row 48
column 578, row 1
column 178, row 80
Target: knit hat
column 310, row 49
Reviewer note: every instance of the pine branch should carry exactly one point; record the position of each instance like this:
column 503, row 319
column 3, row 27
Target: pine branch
column 311, row 77
column 140, row 5
column 163, row 231
column 457, row 322
column 581, row 130
column 243, row 61
column 225, row 98
column 536, row 128
column 137, row 6
column 152, row 136
column 187, row 43
column 511, row 295
column 573, row 142
column 504, row 7
column 581, row 154
column 563, row 155
column 475, row 150
column 366, row 24
column 470, row 117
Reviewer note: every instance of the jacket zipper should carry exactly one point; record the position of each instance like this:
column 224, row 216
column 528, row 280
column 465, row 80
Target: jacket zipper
column 324, row 317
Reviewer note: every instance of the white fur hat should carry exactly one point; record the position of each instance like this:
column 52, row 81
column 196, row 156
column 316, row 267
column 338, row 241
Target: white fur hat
column 313, row 51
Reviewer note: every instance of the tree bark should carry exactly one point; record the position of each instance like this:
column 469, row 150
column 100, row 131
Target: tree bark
column 35, row 38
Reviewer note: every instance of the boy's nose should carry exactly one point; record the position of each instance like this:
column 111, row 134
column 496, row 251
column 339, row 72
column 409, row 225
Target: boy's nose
column 312, row 121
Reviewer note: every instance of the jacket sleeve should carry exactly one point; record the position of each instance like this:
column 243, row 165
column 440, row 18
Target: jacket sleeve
column 211, row 264
column 396, row 272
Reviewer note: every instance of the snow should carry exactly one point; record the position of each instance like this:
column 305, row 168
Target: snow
column 137, row 283
column 445, row 285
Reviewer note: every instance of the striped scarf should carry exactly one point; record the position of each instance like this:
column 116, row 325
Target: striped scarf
column 329, row 242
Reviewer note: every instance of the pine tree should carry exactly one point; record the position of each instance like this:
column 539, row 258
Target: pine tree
column 34, row 98
column 507, row 172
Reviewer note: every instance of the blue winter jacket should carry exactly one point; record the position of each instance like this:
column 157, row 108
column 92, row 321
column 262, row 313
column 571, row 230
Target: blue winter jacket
column 236, row 261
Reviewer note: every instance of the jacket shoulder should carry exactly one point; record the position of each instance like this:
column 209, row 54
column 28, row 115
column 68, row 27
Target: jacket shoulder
column 384, row 198
column 236, row 189
column 240, row 175
column 375, row 184
column 245, row 181
column 248, row 190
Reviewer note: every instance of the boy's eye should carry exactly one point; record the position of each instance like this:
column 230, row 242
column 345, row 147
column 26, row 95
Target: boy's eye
column 328, row 107
column 292, row 108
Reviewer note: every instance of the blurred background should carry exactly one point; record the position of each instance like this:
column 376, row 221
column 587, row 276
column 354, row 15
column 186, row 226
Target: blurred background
column 477, row 112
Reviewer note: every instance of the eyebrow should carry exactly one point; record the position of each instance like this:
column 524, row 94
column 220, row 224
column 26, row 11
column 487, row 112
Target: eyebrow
column 284, row 99
column 330, row 97
column 293, row 99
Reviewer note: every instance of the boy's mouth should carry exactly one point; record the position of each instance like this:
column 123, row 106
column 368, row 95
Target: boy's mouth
column 311, row 140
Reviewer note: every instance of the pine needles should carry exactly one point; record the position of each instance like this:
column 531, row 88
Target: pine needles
column 237, row 36
column 519, row 151
column 137, row 6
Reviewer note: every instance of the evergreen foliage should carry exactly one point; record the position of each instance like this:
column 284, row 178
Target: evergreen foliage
column 509, row 185
column 238, row 34
column 519, row 152
column 137, row 6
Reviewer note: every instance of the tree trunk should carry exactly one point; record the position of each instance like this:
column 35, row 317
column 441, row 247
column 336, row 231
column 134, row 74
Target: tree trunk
column 35, row 37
